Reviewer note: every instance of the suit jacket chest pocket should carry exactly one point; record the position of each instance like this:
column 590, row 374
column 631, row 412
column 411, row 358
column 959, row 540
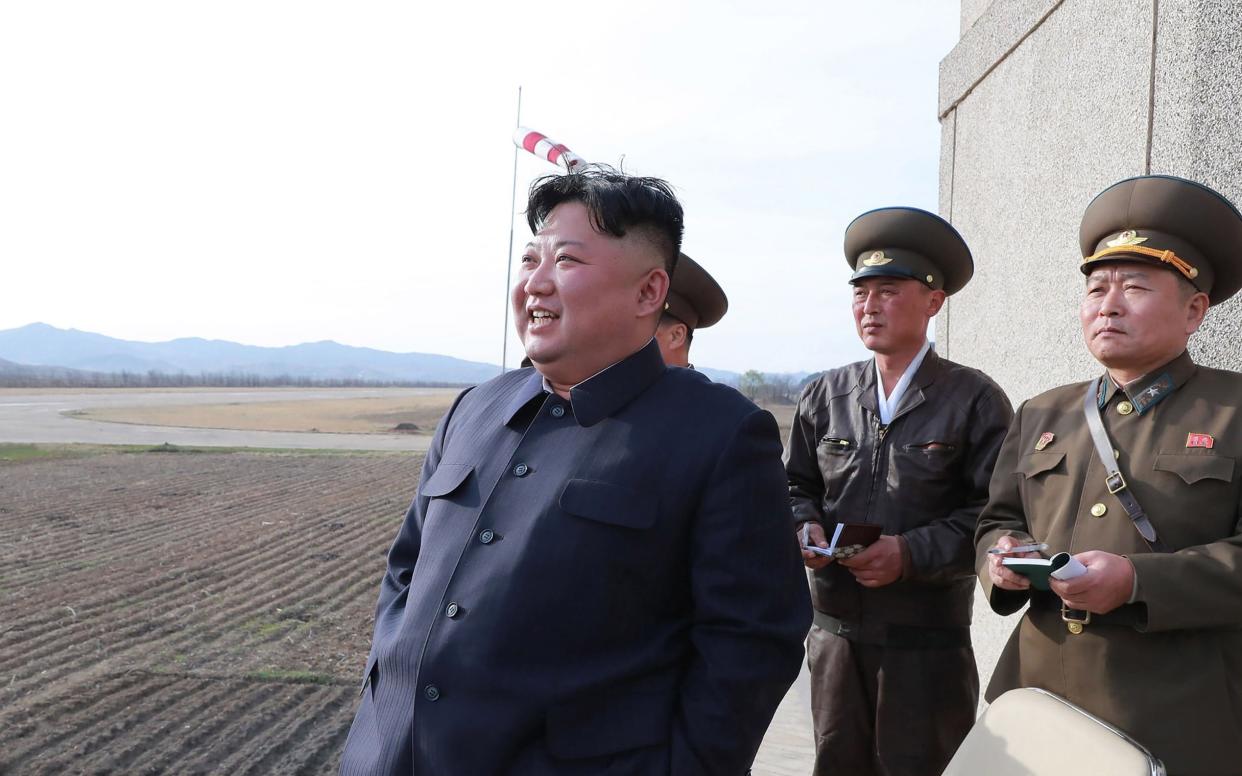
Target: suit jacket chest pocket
column 605, row 504
column 450, row 489
column 838, row 458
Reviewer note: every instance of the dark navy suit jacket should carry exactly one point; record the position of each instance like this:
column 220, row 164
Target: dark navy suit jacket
column 608, row 584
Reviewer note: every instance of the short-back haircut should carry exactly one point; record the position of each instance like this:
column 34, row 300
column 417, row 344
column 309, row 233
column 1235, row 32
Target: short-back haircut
column 617, row 204
column 668, row 318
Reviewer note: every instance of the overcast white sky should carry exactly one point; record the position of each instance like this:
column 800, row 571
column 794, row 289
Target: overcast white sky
column 282, row 172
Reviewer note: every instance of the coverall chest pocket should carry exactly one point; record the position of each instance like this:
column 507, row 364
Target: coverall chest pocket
column 927, row 470
column 837, row 457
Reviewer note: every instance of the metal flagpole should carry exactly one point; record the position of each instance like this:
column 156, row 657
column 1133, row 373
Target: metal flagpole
column 504, row 348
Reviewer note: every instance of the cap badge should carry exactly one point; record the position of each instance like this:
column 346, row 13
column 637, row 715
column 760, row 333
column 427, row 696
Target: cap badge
column 1045, row 439
column 1200, row 440
column 876, row 259
column 1128, row 237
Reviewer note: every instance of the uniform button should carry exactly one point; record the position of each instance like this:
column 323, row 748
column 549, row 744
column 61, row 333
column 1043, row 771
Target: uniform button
column 521, row 470
column 431, row 692
column 486, row 536
column 558, row 411
column 1098, row 510
column 1125, row 408
column 451, row 610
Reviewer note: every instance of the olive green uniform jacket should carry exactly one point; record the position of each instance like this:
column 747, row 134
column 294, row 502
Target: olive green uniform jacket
column 1168, row 670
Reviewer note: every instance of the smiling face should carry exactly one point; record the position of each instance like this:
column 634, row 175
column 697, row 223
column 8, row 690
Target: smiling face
column 1136, row 317
column 585, row 299
column 891, row 314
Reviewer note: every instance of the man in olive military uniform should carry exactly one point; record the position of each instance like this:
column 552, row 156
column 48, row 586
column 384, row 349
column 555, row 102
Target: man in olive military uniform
column 1150, row 637
column 905, row 441
column 695, row 301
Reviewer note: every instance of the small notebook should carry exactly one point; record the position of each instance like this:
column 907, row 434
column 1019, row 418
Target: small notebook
column 1060, row 566
column 848, row 539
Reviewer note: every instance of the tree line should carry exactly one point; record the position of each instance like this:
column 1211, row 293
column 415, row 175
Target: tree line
column 157, row 379
column 769, row 388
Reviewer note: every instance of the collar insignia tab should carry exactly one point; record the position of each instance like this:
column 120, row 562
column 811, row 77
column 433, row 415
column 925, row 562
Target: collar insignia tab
column 1147, row 398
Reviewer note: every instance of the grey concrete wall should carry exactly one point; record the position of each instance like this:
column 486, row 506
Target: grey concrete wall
column 1043, row 104
column 971, row 11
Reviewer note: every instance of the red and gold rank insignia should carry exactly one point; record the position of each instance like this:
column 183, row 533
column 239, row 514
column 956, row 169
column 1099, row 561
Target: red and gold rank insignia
column 1200, row 440
column 1045, row 439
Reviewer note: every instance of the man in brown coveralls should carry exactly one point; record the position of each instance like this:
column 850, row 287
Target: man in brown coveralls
column 1150, row 637
column 905, row 441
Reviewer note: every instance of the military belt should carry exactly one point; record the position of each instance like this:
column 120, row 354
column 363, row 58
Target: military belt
column 1125, row 616
column 895, row 636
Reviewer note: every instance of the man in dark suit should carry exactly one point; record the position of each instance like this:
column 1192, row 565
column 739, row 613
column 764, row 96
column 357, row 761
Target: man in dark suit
column 596, row 573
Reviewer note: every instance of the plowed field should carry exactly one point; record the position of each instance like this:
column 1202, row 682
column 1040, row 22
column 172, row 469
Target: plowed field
column 186, row 612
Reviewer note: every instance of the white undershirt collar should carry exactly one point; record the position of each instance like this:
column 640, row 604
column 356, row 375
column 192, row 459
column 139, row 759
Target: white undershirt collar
column 889, row 405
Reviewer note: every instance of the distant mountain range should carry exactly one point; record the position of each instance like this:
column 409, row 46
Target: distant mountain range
column 39, row 348
column 46, row 352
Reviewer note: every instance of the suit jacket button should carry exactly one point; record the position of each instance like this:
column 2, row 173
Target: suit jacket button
column 558, row 411
column 451, row 610
column 521, row 470
column 486, row 536
column 431, row 693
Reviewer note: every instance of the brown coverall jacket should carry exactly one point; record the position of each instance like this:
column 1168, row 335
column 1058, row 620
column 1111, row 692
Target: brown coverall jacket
column 1169, row 670
column 923, row 477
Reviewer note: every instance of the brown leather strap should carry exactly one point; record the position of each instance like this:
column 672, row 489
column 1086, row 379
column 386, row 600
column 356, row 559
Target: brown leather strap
column 1115, row 482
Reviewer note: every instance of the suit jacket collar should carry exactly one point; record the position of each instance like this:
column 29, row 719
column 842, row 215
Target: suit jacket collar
column 602, row 394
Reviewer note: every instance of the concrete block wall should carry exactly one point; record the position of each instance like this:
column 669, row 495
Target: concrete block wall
column 1043, row 103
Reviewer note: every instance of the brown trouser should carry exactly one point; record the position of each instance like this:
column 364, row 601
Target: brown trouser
column 887, row 711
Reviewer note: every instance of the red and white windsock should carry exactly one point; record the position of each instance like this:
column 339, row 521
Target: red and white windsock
column 542, row 146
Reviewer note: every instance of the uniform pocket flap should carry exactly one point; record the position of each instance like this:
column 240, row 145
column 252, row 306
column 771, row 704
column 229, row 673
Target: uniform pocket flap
column 1038, row 463
column 608, row 503
column 615, row 719
column 447, row 478
column 1193, row 468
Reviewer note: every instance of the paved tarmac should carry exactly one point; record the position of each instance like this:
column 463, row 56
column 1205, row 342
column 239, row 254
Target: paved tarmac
column 40, row 417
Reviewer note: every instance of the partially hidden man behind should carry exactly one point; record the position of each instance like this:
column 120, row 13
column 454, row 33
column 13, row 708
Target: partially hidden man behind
column 695, row 301
column 905, row 441
column 596, row 573
column 1150, row 637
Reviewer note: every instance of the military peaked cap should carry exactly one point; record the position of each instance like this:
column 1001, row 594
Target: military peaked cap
column 1170, row 222
column 906, row 242
column 695, row 298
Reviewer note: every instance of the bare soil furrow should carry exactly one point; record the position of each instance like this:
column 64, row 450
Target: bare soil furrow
column 193, row 731
column 108, row 707
column 291, row 732
column 212, row 578
column 189, row 613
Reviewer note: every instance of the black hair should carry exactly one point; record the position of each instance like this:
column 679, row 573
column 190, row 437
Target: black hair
column 617, row 203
